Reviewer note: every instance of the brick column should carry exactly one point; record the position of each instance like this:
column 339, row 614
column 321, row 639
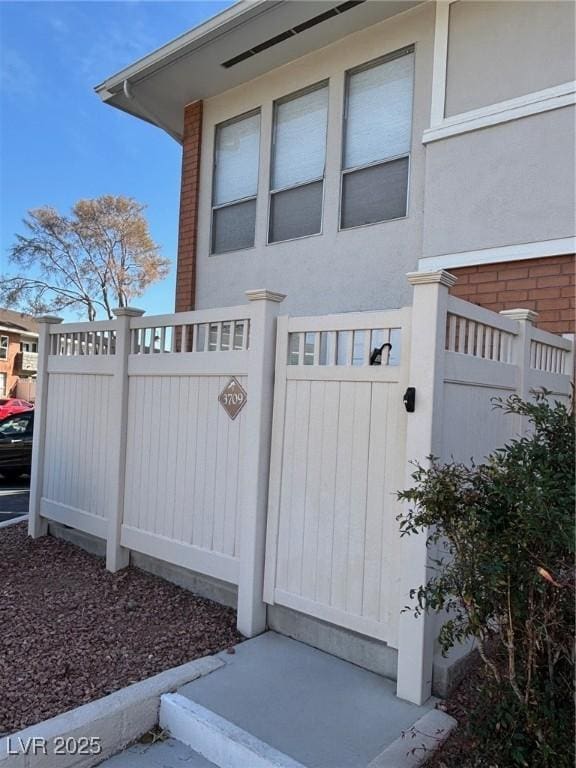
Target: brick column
column 188, row 223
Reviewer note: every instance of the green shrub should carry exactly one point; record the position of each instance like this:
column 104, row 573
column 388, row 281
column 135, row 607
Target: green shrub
column 501, row 542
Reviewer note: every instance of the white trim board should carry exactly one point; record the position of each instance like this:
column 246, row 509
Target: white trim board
column 442, row 127
column 556, row 97
column 440, row 62
column 559, row 247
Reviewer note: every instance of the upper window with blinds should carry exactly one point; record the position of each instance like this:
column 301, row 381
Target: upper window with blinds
column 377, row 138
column 298, row 160
column 235, row 183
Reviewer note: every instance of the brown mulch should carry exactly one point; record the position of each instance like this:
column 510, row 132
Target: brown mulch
column 71, row 632
column 458, row 751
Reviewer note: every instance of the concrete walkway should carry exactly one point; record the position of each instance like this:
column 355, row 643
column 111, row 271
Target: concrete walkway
column 163, row 754
column 316, row 708
column 277, row 703
column 13, row 498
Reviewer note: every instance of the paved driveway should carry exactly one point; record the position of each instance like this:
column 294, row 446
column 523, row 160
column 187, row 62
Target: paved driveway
column 13, row 498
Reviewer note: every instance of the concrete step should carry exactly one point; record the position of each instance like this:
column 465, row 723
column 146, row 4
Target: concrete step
column 217, row 739
column 162, row 754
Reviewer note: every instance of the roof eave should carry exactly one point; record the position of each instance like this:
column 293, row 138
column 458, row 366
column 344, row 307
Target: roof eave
column 17, row 331
column 228, row 17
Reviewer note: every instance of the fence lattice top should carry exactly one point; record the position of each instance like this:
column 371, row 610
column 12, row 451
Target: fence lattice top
column 358, row 347
column 470, row 337
column 221, row 336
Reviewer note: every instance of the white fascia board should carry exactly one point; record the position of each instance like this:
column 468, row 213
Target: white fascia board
column 559, row 247
column 556, row 97
column 199, row 35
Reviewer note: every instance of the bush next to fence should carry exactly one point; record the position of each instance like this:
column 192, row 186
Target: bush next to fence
column 501, row 539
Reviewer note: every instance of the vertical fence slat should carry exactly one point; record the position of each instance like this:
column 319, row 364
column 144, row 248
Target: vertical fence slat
column 301, row 347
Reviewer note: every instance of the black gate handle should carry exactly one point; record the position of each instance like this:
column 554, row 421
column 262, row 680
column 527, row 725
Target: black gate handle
column 410, row 399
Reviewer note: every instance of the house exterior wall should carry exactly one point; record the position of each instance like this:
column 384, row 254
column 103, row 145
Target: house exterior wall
column 7, row 366
column 501, row 183
column 497, row 50
column 356, row 269
column 505, row 184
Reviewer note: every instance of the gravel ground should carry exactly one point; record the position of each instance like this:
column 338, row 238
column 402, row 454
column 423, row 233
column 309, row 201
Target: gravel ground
column 72, row 632
column 459, row 750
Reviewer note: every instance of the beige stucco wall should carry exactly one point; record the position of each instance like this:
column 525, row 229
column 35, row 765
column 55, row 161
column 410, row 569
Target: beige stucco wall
column 335, row 271
column 505, row 49
column 503, row 185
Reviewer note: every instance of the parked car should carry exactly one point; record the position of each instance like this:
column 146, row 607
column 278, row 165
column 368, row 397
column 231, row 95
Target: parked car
column 12, row 405
column 16, row 444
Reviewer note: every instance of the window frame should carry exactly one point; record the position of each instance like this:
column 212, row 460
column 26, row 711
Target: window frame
column 213, row 207
column 397, row 54
column 4, row 347
column 274, row 191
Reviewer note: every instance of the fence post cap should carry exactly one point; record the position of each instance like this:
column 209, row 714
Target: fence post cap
column 520, row 314
column 440, row 276
column 128, row 312
column 49, row 319
column 262, row 294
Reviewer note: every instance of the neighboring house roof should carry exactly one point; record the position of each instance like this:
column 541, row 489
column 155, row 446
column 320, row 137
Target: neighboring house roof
column 243, row 42
column 17, row 322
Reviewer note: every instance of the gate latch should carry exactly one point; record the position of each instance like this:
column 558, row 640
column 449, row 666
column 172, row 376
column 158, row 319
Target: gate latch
column 410, row 399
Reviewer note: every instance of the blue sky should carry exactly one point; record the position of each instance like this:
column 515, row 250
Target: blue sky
column 58, row 142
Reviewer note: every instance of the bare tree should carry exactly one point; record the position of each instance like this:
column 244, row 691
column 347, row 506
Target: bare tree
column 99, row 257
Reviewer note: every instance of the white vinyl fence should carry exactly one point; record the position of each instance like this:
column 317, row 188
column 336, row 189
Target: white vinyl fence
column 184, row 455
column 132, row 444
column 268, row 454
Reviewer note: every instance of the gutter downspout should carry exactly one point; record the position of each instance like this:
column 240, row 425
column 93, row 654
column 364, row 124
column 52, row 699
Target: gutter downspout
column 148, row 113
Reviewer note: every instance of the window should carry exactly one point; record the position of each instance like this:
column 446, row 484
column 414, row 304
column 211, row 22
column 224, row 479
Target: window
column 298, row 160
column 235, row 184
column 28, row 346
column 3, row 377
column 377, row 138
column 20, row 424
column 4, row 341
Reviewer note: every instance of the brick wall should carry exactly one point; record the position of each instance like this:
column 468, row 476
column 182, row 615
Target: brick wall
column 546, row 285
column 7, row 366
column 188, row 223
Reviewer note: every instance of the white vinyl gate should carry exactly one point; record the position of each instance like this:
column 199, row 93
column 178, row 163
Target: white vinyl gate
column 337, row 461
